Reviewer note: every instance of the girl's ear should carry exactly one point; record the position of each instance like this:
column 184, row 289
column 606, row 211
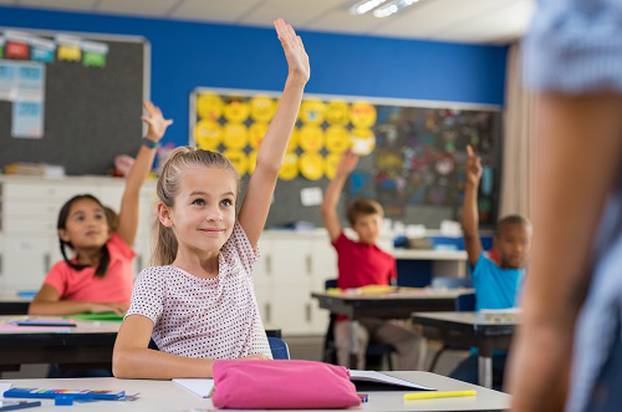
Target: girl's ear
column 165, row 215
column 62, row 234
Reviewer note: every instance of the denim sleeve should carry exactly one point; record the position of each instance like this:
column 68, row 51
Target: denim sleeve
column 575, row 46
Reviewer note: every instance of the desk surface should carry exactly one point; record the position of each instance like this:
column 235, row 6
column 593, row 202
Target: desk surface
column 7, row 327
column 401, row 294
column 391, row 305
column 414, row 254
column 473, row 320
column 168, row 396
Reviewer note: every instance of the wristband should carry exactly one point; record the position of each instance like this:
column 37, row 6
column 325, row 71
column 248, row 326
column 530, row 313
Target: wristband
column 150, row 143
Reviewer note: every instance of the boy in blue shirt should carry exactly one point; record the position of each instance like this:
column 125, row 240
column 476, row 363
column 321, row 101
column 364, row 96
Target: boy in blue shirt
column 497, row 278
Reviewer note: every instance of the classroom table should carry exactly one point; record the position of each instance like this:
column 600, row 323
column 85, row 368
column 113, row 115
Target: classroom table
column 485, row 331
column 14, row 303
column 89, row 343
column 159, row 395
column 393, row 305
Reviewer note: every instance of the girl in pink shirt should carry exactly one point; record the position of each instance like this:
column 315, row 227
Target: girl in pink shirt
column 98, row 278
column 198, row 304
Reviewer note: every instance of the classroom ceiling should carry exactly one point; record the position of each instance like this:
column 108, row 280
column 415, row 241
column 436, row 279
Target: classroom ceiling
column 469, row 21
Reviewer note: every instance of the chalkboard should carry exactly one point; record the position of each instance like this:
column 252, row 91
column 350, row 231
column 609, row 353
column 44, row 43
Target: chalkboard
column 91, row 114
column 416, row 168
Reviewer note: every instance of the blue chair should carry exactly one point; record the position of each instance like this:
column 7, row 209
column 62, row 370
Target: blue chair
column 278, row 347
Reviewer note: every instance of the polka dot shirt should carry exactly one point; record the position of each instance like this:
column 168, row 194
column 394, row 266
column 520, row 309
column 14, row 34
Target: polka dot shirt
column 215, row 318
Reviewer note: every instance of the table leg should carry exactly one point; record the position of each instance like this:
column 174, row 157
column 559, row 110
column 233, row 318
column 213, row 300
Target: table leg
column 485, row 371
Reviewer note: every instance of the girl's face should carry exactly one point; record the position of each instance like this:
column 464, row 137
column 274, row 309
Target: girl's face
column 204, row 212
column 86, row 226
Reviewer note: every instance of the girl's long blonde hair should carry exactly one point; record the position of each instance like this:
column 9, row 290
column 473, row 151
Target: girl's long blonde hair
column 165, row 248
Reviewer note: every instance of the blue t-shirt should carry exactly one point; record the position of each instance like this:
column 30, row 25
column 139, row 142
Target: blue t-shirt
column 495, row 287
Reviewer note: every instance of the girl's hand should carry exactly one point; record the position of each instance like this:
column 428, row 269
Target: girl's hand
column 473, row 167
column 117, row 308
column 155, row 121
column 347, row 163
column 295, row 54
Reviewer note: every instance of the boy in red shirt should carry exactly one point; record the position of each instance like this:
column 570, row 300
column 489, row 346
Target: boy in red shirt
column 363, row 263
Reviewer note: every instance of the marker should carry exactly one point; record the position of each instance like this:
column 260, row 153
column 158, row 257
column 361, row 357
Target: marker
column 414, row 396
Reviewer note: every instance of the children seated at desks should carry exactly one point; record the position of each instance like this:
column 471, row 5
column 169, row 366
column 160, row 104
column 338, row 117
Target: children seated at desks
column 199, row 305
column 363, row 263
column 99, row 277
column 497, row 278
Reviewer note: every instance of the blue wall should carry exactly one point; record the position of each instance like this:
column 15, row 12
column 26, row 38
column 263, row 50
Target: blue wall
column 186, row 55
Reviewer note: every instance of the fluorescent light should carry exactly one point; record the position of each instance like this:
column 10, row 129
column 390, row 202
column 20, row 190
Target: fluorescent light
column 365, row 6
column 393, row 7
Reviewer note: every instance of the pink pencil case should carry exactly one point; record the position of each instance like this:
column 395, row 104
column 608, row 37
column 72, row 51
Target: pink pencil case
column 282, row 384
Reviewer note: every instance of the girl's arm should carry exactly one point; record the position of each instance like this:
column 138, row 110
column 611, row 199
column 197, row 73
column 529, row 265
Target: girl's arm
column 256, row 206
column 48, row 302
column 128, row 216
column 131, row 357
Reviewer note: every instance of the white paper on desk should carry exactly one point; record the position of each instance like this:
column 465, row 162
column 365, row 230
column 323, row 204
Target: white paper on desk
column 200, row 387
column 311, row 196
column 377, row 377
column 4, row 387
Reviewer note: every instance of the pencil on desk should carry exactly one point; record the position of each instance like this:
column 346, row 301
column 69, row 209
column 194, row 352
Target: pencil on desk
column 436, row 394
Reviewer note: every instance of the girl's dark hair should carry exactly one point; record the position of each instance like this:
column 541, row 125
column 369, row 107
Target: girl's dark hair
column 104, row 259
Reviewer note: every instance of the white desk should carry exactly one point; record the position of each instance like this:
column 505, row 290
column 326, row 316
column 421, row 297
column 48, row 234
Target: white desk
column 444, row 262
column 168, row 396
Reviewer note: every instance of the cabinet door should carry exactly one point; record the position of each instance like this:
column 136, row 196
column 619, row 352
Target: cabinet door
column 291, row 309
column 25, row 261
column 292, row 262
column 263, row 293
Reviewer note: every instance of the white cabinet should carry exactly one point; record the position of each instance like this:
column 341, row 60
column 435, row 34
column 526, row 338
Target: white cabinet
column 25, row 261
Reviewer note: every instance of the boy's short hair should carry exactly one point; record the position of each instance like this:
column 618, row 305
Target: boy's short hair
column 363, row 206
column 511, row 220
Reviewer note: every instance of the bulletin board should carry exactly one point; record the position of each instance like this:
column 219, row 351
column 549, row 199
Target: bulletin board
column 413, row 152
column 71, row 99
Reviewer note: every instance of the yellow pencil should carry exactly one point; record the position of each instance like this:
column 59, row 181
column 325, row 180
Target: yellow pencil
column 437, row 394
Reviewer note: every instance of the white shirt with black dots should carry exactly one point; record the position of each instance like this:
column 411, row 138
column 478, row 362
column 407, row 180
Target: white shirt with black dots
column 214, row 318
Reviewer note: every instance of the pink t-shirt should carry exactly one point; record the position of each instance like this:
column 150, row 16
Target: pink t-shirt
column 82, row 285
column 216, row 318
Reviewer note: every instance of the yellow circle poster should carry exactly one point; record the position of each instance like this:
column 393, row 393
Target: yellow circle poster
column 236, row 111
column 207, row 135
column 338, row 113
column 363, row 141
column 312, row 166
column 289, row 168
column 256, row 132
column 312, row 111
column 311, row 138
column 262, row 108
column 337, row 139
column 363, row 115
column 252, row 159
column 209, row 106
column 236, row 136
column 238, row 159
column 332, row 161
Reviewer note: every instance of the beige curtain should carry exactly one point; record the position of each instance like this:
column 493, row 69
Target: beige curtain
column 519, row 141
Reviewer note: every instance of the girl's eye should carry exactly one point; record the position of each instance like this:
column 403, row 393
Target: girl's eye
column 198, row 202
column 99, row 217
column 227, row 202
column 79, row 218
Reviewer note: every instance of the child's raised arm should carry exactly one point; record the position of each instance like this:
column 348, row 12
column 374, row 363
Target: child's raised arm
column 346, row 165
column 470, row 217
column 128, row 216
column 256, row 206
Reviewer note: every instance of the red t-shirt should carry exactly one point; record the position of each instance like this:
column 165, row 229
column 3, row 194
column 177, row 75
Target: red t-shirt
column 361, row 264
column 83, row 285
